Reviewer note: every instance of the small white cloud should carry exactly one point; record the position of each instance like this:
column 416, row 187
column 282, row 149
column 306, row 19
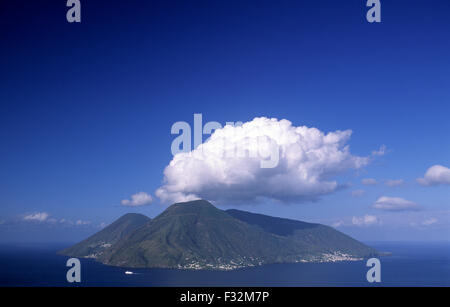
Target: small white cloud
column 39, row 216
column 380, row 152
column 44, row 217
column 81, row 223
column 435, row 175
column 395, row 204
column 102, row 225
column 394, row 183
column 137, row 200
column 337, row 224
column 358, row 193
column 366, row 220
column 429, row 222
column 369, row 181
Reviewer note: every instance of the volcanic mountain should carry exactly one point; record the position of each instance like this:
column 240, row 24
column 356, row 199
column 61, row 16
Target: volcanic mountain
column 197, row 235
column 94, row 246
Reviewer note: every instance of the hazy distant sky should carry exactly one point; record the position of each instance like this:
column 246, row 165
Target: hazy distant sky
column 86, row 109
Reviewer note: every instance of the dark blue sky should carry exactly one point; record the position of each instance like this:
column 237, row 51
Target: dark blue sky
column 86, row 109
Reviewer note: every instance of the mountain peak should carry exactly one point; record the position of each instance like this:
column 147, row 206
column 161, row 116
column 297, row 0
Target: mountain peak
column 197, row 207
column 195, row 203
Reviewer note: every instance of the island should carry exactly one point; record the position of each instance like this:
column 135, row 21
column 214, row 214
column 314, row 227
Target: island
column 196, row 235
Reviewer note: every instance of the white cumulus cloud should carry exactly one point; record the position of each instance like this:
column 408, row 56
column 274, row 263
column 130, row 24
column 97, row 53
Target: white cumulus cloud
column 308, row 160
column 435, row 175
column 366, row 220
column 395, row 204
column 138, row 199
column 39, row 216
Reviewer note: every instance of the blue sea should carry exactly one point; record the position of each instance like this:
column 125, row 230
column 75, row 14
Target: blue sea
column 410, row 264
